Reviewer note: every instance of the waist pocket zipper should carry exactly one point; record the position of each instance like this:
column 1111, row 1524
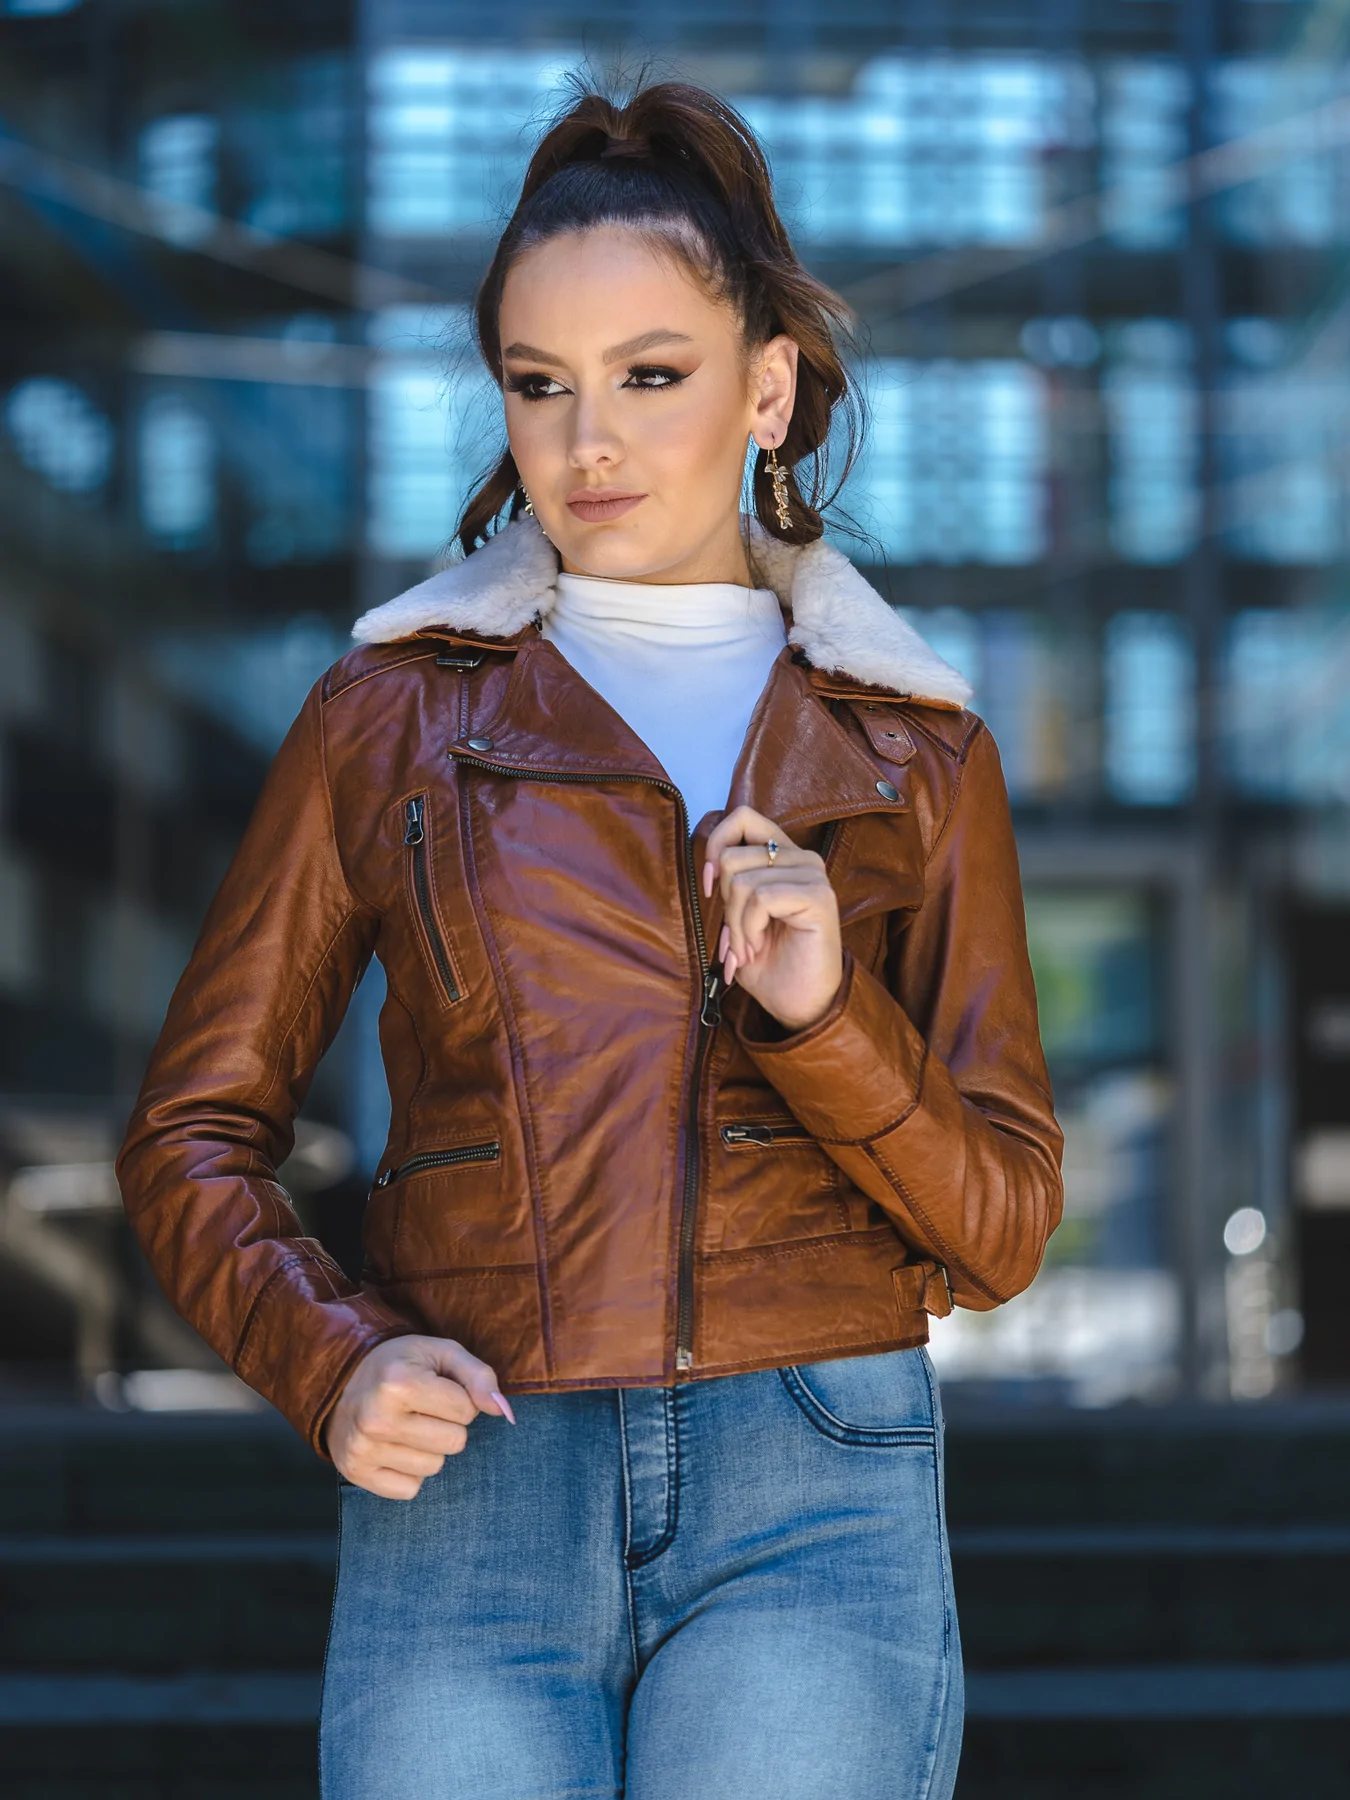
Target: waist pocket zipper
column 764, row 1136
column 440, row 1159
column 415, row 837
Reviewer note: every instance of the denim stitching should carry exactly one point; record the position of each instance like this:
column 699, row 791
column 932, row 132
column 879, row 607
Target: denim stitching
column 669, row 1406
column 818, row 1415
column 628, row 1535
column 945, row 1683
column 328, row 1641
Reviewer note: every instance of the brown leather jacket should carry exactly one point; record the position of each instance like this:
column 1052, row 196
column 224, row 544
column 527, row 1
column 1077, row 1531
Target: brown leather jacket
column 599, row 1172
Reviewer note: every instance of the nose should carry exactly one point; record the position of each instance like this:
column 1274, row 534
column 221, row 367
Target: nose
column 594, row 441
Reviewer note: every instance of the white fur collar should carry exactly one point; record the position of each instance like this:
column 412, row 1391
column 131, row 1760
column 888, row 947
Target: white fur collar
column 839, row 621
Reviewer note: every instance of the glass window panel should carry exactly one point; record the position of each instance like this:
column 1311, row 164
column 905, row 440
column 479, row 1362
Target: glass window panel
column 434, row 427
column 178, row 160
column 177, row 458
column 1143, row 108
column 1149, row 724
column 955, row 467
column 1152, row 420
column 1286, row 704
column 1297, row 198
column 59, row 433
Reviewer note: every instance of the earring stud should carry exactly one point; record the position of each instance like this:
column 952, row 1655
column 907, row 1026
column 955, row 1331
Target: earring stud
column 778, row 476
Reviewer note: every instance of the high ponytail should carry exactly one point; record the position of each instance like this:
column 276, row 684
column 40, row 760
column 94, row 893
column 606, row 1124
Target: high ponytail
column 677, row 163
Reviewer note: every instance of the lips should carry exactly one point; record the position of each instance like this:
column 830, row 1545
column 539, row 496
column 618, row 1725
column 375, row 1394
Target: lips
column 598, row 509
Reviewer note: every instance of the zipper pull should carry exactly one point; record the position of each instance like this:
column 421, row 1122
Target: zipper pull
column 684, row 1361
column 711, row 1011
column 412, row 812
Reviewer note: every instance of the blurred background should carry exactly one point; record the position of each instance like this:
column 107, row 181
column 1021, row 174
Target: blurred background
column 1099, row 254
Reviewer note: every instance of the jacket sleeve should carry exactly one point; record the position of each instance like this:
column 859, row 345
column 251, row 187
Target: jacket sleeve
column 284, row 943
column 929, row 1089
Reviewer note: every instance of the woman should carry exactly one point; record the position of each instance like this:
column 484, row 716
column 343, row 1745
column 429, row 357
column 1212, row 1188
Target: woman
column 690, row 1130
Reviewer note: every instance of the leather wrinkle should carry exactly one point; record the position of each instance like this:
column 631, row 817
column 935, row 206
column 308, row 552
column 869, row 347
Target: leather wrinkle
column 520, row 1073
column 296, row 1261
column 334, row 690
column 825, row 1245
column 937, row 1237
column 285, row 1043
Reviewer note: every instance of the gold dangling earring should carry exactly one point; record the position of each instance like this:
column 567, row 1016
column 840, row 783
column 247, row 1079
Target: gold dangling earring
column 529, row 504
column 778, row 476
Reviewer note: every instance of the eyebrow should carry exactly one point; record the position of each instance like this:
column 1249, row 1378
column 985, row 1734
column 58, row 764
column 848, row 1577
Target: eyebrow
column 646, row 340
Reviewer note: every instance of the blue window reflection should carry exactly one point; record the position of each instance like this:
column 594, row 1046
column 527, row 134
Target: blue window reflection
column 433, row 429
column 1152, row 420
column 177, row 472
column 1148, row 722
column 59, row 433
column 955, row 466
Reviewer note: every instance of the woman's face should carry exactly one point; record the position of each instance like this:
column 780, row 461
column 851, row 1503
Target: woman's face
column 630, row 398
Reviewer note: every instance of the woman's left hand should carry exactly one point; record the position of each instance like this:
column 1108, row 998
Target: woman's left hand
column 781, row 936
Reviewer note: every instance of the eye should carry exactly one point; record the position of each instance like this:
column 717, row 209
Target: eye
column 653, row 377
column 534, row 386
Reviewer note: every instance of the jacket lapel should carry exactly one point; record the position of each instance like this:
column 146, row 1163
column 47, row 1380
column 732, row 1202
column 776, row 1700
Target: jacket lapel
column 551, row 721
column 798, row 765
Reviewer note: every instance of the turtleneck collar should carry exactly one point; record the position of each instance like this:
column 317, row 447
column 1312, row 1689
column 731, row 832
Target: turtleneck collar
column 703, row 614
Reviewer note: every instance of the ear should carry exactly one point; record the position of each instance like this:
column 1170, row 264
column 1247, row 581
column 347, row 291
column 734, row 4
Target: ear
column 773, row 390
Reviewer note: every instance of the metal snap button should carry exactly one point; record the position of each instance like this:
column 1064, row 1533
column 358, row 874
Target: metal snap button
column 480, row 743
column 888, row 790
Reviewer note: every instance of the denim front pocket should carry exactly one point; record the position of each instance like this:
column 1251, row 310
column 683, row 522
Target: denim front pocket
column 880, row 1400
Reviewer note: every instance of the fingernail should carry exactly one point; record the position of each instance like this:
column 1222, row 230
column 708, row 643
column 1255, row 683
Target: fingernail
column 723, row 943
column 729, row 968
column 505, row 1405
column 708, row 873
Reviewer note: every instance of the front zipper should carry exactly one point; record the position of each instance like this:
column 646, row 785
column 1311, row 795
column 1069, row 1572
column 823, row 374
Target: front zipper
column 440, row 1159
column 765, row 1136
column 709, row 1018
column 415, row 837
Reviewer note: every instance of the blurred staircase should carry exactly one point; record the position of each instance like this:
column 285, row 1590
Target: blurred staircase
column 1152, row 1605
column 164, row 1594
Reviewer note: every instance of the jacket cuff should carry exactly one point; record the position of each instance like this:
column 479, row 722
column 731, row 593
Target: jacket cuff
column 855, row 1074
column 299, row 1351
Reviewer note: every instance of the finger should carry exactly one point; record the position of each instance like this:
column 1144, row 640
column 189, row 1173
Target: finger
column 403, row 1459
column 794, row 897
column 418, row 1431
column 388, row 1484
column 454, row 1363
column 737, row 858
column 800, row 906
column 411, row 1392
column 742, row 826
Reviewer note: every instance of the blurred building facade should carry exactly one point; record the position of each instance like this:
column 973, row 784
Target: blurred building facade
column 1098, row 257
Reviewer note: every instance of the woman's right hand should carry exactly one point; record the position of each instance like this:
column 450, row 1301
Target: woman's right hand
column 406, row 1407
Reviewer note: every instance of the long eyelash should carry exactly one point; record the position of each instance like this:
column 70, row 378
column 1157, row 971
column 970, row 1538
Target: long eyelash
column 519, row 384
column 673, row 376
column 522, row 384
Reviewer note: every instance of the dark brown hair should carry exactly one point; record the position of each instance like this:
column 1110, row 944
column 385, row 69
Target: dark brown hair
column 678, row 164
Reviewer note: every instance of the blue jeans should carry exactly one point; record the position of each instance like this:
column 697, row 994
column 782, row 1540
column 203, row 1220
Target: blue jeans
column 734, row 1589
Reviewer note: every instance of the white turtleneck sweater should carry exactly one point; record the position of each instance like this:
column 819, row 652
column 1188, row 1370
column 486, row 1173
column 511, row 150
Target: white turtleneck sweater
column 683, row 666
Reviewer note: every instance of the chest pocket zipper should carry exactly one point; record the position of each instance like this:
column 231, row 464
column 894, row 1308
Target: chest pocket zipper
column 415, row 837
column 440, row 1159
column 765, row 1136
